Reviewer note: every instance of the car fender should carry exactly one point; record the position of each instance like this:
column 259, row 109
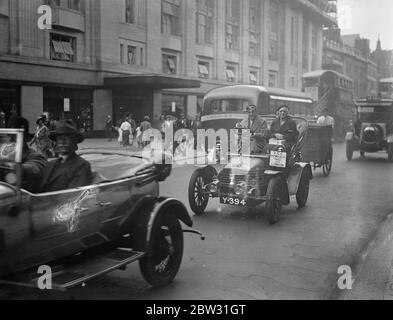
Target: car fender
column 296, row 174
column 390, row 138
column 210, row 171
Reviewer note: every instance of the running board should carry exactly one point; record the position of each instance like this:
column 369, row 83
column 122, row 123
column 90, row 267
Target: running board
column 79, row 273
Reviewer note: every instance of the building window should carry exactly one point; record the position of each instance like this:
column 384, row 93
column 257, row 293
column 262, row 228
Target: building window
column 170, row 19
column 294, row 39
column 232, row 24
column 273, row 75
column 231, row 74
column 174, row 104
column 273, row 30
column 131, row 55
column 205, row 18
column 74, row 5
column 203, row 70
column 253, row 77
column 169, row 64
column 306, row 43
column 254, row 35
column 130, row 11
column 62, row 48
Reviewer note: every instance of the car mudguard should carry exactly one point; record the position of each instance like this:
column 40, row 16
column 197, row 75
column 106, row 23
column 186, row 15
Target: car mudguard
column 295, row 175
column 210, row 171
column 164, row 205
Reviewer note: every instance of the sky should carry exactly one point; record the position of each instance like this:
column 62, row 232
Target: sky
column 369, row 19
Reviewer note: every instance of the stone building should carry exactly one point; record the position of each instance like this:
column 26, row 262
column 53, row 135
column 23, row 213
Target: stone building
column 150, row 56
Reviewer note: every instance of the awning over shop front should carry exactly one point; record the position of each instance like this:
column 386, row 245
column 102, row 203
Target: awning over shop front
column 149, row 81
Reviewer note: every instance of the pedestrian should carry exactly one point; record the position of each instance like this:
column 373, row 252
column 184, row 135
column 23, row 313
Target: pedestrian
column 196, row 125
column 325, row 119
column 145, row 131
column 2, row 120
column 126, row 131
column 133, row 128
column 109, row 128
column 41, row 138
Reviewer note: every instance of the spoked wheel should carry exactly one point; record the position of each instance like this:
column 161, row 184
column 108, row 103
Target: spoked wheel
column 327, row 166
column 303, row 191
column 274, row 196
column 164, row 253
column 198, row 197
column 349, row 151
column 390, row 152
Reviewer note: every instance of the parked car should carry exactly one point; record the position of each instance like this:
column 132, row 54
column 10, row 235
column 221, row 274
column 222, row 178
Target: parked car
column 250, row 180
column 373, row 128
column 85, row 232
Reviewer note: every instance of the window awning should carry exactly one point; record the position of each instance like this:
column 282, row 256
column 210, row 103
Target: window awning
column 151, row 81
column 203, row 69
column 230, row 74
column 68, row 48
column 253, row 77
column 57, row 45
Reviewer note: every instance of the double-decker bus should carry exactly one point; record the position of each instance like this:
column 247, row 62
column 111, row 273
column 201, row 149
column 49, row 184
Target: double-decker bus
column 333, row 91
column 386, row 88
column 226, row 106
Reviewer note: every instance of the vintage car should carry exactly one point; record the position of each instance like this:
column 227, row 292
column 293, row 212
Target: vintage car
column 89, row 231
column 250, row 180
column 373, row 128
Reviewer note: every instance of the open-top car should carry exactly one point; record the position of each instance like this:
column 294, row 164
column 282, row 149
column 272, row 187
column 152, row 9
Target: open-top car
column 373, row 128
column 250, row 180
column 85, row 232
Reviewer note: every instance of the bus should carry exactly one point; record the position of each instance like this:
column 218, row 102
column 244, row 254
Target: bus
column 224, row 107
column 332, row 91
column 386, row 88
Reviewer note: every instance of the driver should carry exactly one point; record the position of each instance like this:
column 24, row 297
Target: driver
column 69, row 171
column 259, row 130
column 33, row 163
column 284, row 128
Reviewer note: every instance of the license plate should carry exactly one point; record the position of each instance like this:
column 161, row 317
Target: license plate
column 233, row 201
column 278, row 159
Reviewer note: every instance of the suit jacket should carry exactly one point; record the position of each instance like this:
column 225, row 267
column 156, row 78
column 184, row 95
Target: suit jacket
column 74, row 173
column 288, row 129
column 260, row 132
column 33, row 168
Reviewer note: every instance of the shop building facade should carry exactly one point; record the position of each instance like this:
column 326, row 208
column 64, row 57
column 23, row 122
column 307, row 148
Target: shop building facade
column 148, row 57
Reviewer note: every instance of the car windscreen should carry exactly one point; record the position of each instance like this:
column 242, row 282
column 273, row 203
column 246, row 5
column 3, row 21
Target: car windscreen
column 225, row 105
column 113, row 167
column 7, row 147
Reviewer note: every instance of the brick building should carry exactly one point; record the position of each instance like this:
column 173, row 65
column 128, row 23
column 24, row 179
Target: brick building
column 150, row 56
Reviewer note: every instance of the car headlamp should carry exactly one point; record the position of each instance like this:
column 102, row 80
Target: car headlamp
column 11, row 178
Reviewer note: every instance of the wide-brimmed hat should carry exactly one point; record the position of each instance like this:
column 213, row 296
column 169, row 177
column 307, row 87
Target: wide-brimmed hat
column 40, row 118
column 67, row 127
column 20, row 123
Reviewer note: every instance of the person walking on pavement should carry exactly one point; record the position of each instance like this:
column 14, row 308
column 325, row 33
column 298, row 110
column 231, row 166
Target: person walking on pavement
column 109, row 128
column 145, row 131
column 41, row 138
column 325, row 119
column 126, row 131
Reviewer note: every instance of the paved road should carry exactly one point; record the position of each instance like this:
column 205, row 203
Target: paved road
column 245, row 258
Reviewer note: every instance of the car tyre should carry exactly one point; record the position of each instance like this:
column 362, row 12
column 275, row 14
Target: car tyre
column 303, row 190
column 164, row 252
column 349, row 151
column 197, row 197
column 274, row 196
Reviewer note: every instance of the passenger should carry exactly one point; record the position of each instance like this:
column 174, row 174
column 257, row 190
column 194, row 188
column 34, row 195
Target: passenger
column 33, row 163
column 284, row 128
column 259, row 130
column 69, row 171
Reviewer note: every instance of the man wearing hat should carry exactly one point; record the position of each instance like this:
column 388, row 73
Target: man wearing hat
column 33, row 163
column 69, row 171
